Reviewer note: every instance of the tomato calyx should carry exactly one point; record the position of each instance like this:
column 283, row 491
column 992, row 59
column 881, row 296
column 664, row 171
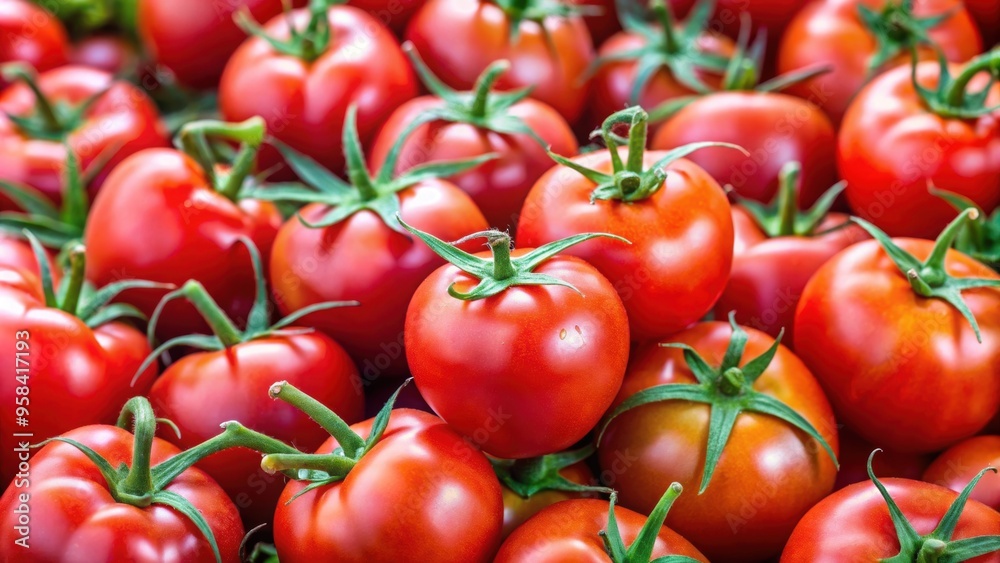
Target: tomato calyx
column 538, row 10
column 230, row 181
column 929, row 278
column 379, row 194
column 980, row 237
column 51, row 120
column 951, row 98
column 782, row 218
column 502, row 271
column 728, row 390
column 937, row 546
column 307, row 44
column 527, row 477
column 641, row 550
column 631, row 181
column 896, row 29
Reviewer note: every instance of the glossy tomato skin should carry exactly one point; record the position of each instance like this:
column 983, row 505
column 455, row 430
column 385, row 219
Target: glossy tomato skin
column 82, row 374
column 682, row 239
column 552, row 60
column 767, row 277
column 774, row 128
column 304, row 103
column 887, row 153
column 769, row 473
column 393, row 14
column 193, row 38
column 308, row 267
column 853, row 524
column 17, row 253
column 165, row 192
column 568, row 531
column 957, row 466
column 517, row 509
column 73, row 515
column 110, row 53
column 523, row 373
column 31, row 35
column 120, row 123
column 832, row 32
column 421, row 494
column 203, row 390
column 885, row 355
column 853, row 458
column 499, row 186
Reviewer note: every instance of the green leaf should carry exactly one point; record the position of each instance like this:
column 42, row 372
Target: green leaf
column 658, row 394
column 44, row 271
column 722, row 419
column 472, row 265
column 909, row 539
column 311, row 172
column 29, row 200
column 113, row 312
column 765, row 404
column 903, row 259
column 533, row 259
column 704, row 373
column 642, row 548
column 93, row 302
column 295, row 316
column 969, row 548
column 756, row 367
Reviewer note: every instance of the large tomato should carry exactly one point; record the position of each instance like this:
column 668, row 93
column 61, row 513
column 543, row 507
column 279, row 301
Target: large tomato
column 547, row 49
column 896, row 139
column 957, row 466
column 757, row 436
column 509, row 355
column 31, row 35
column 676, row 217
column 889, row 327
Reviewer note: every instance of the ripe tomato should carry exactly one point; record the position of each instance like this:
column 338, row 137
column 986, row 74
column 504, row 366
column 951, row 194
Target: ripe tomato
column 450, row 125
column 889, row 327
column 986, row 13
column 957, row 466
column 303, row 97
column 16, row 253
column 680, row 227
column 547, row 49
column 103, row 121
column 757, row 459
column 858, row 39
column 945, row 137
column 394, row 14
column 31, row 35
column 507, row 354
column 110, row 53
column 854, row 452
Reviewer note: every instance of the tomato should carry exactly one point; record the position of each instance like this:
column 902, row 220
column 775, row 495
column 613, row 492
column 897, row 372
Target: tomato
column 956, row 467
column 680, row 228
column 601, row 18
column 417, row 489
column 110, row 53
column 838, row 34
column 31, row 35
column 574, row 531
column 507, row 354
column 889, row 328
column 986, row 13
column 71, row 358
column 198, row 214
column 777, row 250
column 450, row 125
column 394, row 14
column 854, row 452
column 935, row 137
column 103, row 120
column 895, row 520
column 764, row 460
column 114, row 515
column 16, row 253
column 304, row 97
column 547, row 49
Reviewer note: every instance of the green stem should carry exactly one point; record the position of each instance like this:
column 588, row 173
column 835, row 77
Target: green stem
column 944, row 241
column 666, row 18
column 137, row 486
column 249, row 133
column 326, row 418
column 216, row 318
column 930, row 551
column 77, row 274
column 331, row 464
column 483, row 88
column 637, row 141
column 518, row 7
column 243, row 166
column 503, row 267
column 788, row 201
column 732, row 382
column 955, row 94
column 18, row 72
column 315, row 41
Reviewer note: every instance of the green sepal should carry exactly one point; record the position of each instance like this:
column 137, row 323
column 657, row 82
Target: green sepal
column 782, row 216
column 538, row 11
column 641, row 549
column 980, row 237
column 896, row 30
column 307, row 44
column 950, row 98
column 50, row 120
column 528, row 477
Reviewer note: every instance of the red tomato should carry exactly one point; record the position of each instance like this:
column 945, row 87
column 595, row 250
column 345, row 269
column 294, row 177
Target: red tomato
column 421, row 493
column 601, row 18
column 892, row 144
column 835, row 33
column 16, row 253
column 303, row 99
column 987, row 15
column 887, row 345
column 120, row 121
column 394, row 14
column 550, row 53
column 110, row 53
column 31, row 35
column 854, row 453
column 508, row 355
column 768, row 473
column 680, row 229
column 957, row 466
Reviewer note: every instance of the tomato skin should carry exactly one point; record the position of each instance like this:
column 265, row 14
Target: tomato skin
column 567, row 531
column 523, row 373
column 385, row 267
column 885, row 355
column 498, row 187
column 31, row 35
column 110, row 53
column 553, row 60
column 164, row 191
column 393, row 14
column 767, row 278
column 393, row 501
column 16, row 253
column 122, row 122
column 81, row 373
column 853, row 524
column 854, row 453
column 304, row 103
column 955, row 468
column 774, row 128
column 517, row 510
column 73, row 513
column 753, row 501
column 682, row 239
column 883, row 148
column 986, row 13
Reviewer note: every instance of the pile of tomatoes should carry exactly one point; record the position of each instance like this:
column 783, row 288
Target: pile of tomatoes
column 499, row 280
